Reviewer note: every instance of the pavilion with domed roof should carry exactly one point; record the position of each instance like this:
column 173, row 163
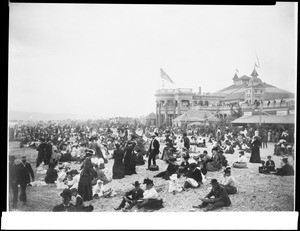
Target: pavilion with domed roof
column 248, row 89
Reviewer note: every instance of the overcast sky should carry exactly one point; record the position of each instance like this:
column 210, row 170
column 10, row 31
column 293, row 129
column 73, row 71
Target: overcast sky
column 106, row 59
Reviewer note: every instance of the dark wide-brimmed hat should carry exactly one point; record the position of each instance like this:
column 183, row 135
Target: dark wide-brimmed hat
column 285, row 159
column 242, row 152
column 220, row 151
column 66, row 193
column 148, row 181
column 136, row 183
column 214, row 181
column 214, row 149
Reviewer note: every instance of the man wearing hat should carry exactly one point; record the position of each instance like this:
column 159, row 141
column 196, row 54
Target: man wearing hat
column 24, row 173
column 65, row 206
column 13, row 171
column 132, row 196
column 221, row 198
column 286, row 169
column 150, row 197
column 153, row 150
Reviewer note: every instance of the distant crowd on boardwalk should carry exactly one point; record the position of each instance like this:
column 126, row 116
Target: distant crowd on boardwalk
column 92, row 145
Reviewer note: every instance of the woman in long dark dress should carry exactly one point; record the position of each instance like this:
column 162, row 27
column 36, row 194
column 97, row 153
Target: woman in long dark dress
column 129, row 158
column 255, row 154
column 118, row 167
column 86, row 176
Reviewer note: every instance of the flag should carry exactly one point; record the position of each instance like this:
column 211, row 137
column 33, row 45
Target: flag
column 255, row 65
column 164, row 75
column 236, row 70
column 258, row 62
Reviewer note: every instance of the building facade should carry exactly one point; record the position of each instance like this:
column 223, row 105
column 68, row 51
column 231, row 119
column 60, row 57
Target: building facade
column 244, row 92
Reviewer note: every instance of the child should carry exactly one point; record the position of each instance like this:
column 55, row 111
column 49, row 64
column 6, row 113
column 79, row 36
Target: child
column 173, row 184
column 100, row 191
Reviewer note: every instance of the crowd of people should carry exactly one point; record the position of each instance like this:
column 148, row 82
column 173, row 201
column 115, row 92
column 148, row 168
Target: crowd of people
column 92, row 145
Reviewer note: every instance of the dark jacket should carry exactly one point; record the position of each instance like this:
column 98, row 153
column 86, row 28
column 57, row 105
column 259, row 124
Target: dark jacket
column 286, row 170
column 220, row 196
column 156, row 147
column 62, row 208
column 196, row 175
column 24, row 173
column 186, row 143
column 135, row 194
column 13, row 170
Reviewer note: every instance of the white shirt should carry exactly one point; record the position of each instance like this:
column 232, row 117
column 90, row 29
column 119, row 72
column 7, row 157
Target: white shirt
column 230, row 181
column 150, row 193
column 242, row 159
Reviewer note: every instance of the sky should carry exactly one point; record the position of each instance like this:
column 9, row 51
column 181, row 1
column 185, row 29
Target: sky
column 105, row 60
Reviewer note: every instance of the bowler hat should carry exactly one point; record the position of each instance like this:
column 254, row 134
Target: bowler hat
column 213, row 181
column 220, row 151
column 148, row 181
column 66, row 193
column 242, row 152
column 136, row 183
column 214, row 148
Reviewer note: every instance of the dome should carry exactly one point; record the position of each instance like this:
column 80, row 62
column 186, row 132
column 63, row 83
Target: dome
column 254, row 81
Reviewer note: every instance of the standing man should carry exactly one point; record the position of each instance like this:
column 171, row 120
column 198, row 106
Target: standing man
column 13, row 179
column 24, row 173
column 186, row 141
column 153, row 150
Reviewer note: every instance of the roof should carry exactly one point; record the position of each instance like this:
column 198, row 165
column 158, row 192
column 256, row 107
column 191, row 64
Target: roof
column 239, row 95
column 272, row 93
column 266, row 119
column 254, row 73
column 244, row 77
column 194, row 116
column 235, row 76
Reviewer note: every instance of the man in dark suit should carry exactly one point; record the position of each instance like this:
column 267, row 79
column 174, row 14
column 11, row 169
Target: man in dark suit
column 13, row 179
column 132, row 197
column 153, row 149
column 65, row 206
column 24, row 173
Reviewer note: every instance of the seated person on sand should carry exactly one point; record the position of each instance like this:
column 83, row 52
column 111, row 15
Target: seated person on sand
column 228, row 149
column 220, row 199
column 270, row 164
column 229, row 182
column 174, row 184
column 245, row 147
column 150, row 198
column 131, row 197
column 171, row 169
column 79, row 204
column 184, row 166
column 263, row 169
column 76, row 176
column 99, row 190
column 69, row 180
column 51, row 174
column 66, row 205
column 286, row 169
column 100, row 176
column 193, row 177
column 241, row 162
column 218, row 160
